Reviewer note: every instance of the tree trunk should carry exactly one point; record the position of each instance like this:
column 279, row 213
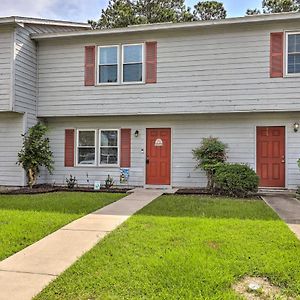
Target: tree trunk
column 210, row 182
column 31, row 177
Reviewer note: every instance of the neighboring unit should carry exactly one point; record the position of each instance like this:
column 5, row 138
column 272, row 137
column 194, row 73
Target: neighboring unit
column 133, row 102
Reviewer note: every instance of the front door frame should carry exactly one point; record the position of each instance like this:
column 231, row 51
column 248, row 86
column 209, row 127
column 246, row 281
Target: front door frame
column 171, row 157
column 285, row 150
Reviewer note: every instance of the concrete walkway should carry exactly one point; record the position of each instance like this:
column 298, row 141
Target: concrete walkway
column 288, row 209
column 24, row 274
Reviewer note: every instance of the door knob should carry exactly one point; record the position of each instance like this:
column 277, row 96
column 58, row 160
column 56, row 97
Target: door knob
column 283, row 159
column 147, row 160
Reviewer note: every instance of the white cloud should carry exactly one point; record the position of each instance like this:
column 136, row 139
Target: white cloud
column 73, row 10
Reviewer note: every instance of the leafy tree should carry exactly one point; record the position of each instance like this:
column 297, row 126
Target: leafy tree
column 121, row 13
column 35, row 153
column 209, row 10
column 209, row 155
column 252, row 12
column 276, row 6
column 158, row 11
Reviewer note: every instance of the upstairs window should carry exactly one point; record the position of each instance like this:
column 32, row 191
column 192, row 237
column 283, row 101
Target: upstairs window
column 108, row 64
column 132, row 63
column 109, row 147
column 293, row 53
column 86, row 147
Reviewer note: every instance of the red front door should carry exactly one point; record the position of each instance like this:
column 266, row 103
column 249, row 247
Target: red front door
column 158, row 156
column 271, row 156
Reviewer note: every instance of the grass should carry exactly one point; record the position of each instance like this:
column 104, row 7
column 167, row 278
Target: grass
column 185, row 247
column 25, row 219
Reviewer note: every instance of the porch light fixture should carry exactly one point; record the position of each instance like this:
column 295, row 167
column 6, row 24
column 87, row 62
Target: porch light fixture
column 296, row 127
column 136, row 133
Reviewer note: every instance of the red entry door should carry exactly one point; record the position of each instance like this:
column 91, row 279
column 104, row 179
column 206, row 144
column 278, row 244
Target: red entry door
column 158, row 156
column 271, row 156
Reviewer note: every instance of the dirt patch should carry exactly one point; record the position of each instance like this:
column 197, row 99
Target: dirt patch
column 213, row 245
column 257, row 288
column 44, row 188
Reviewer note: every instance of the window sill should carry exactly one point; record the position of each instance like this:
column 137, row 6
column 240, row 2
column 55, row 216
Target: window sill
column 118, row 84
column 99, row 166
column 296, row 75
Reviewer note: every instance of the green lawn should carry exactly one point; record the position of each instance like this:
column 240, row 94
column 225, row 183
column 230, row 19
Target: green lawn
column 25, row 219
column 185, row 247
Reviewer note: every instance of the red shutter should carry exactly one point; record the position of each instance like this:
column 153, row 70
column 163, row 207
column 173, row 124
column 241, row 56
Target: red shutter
column 125, row 148
column 89, row 66
column 276, row 55
column 69, row 147
column 151, row 62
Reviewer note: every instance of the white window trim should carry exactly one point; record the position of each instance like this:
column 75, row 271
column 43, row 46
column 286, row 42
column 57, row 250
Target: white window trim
column 143, row 64
column 77, row 147
column 286, row 54
column 118, row 65
column 118, row 146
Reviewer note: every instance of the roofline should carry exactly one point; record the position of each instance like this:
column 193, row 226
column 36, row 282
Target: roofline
column 25, row 20
column 169, row 26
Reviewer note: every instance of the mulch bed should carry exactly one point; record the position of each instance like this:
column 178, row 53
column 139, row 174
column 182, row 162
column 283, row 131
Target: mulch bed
column 43, row 188
column 193, row 191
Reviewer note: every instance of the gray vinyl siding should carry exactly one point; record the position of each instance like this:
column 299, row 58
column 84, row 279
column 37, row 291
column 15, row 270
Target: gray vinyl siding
column 26, row 82
column 199, row 71
column 237, row 130
column 6, row 52
column 11, row 128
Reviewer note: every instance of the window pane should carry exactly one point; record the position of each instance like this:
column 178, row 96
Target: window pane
column 133, row 54
column 86, row 156
column 108, row 56
column 291, row 69
column 292, row 43
column 109, row 138
column 293, row 63
column 86, row 138
column 108, row 74
column 108, row 156
column 297, row 42
column 132, row 72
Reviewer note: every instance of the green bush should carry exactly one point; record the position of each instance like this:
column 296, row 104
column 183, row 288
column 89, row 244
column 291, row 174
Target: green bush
column 35, row 153
column 209, row 155
column 236, row 180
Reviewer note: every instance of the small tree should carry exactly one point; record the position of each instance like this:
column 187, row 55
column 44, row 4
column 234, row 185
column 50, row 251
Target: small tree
column 210, row 154
column 35, row 153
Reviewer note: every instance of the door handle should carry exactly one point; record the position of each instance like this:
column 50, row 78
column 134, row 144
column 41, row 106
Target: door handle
column 147, row 160
column 283, row 159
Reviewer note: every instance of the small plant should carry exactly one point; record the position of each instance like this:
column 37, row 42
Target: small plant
column 210, row 154
column 35, row 153
column 109, row 182
column 236, row 180
column 71, row 182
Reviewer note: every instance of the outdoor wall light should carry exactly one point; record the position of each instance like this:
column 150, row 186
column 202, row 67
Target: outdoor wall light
column 296, row 127
column 136, row 133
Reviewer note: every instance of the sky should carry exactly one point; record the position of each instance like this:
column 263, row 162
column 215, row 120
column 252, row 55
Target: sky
column 83, row 10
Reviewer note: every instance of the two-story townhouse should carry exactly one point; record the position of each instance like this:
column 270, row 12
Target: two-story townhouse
column 18, row 86
column 137, row 100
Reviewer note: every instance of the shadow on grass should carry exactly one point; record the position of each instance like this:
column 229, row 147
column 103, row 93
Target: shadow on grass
column 59, row 202
column 209, row 207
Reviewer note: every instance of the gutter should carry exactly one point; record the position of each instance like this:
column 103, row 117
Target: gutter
column 173, row 26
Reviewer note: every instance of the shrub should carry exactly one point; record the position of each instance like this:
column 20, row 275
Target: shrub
column 35, row 153
column 71, row 182
column 209, row 155
column 109, row 182
column 236, row 180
